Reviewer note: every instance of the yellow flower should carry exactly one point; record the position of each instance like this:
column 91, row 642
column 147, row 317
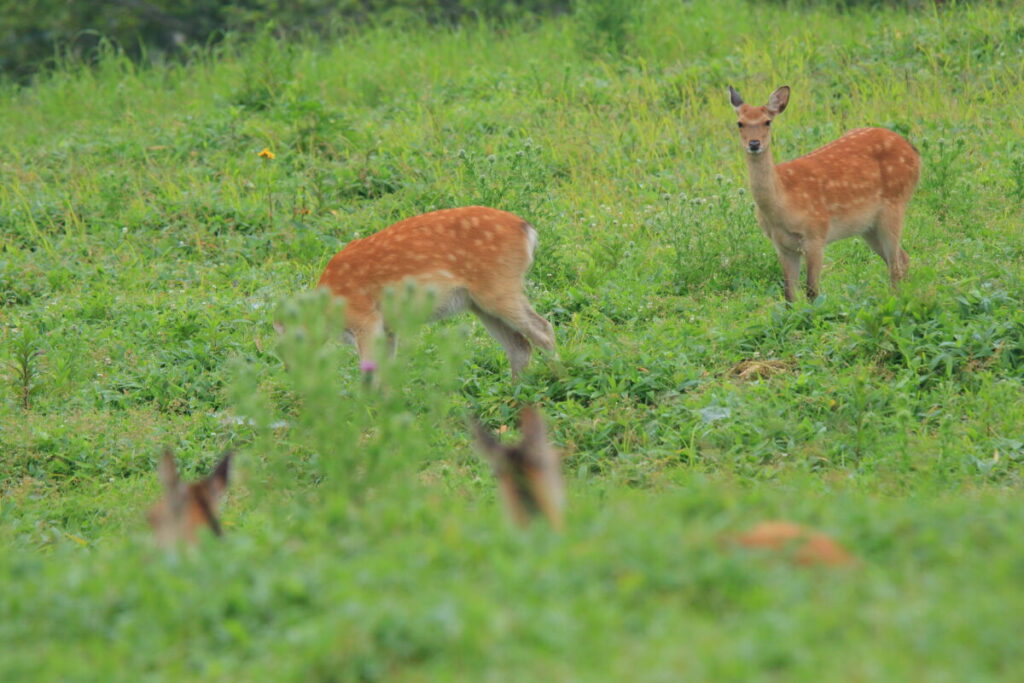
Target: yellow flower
column 266, row 153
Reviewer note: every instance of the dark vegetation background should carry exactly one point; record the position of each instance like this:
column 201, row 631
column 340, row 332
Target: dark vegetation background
column 36, row 34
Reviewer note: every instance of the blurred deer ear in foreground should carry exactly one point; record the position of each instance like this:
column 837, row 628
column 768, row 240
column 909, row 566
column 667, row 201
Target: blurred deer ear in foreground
column 186, row 507
column 529, row 473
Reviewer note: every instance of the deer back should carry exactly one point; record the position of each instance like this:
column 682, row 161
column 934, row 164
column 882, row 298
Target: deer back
column 474, row 248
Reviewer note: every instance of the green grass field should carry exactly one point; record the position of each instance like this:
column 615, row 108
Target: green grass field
column 146, row 246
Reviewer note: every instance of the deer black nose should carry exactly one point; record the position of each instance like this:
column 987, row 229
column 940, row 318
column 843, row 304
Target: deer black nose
column 754, row 145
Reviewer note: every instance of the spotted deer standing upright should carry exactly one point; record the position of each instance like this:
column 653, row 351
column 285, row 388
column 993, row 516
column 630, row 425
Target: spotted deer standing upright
column 529, row 474
column 858, row 184
column 187, row 508
column 471, row 257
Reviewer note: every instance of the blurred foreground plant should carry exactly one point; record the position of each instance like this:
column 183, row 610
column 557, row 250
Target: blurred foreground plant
column 363, row 433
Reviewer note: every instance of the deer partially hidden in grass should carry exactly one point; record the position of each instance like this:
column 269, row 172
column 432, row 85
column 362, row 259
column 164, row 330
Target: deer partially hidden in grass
column 472, row 258
column 187, row 507
column 529, row 474
column 857, row 185
column 801, row 545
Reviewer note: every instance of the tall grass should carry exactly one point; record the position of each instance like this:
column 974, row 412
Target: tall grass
column 147, row 245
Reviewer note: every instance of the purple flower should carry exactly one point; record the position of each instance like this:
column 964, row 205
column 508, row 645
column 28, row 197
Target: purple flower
column 367, row 366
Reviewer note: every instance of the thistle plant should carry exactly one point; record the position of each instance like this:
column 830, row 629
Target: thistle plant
column 26, row 371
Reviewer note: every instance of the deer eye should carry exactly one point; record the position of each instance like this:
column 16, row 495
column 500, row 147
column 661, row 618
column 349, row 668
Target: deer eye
column 768, row 123
column 739, row 123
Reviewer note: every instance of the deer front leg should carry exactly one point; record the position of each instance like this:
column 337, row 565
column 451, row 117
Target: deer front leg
column 370, row 329
column 815, row 254
column 790, row 261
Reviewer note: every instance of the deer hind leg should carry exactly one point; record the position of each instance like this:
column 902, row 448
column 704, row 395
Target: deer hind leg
column 516, row 346
column 516, row 312
column 543, row 335
column 884, row 240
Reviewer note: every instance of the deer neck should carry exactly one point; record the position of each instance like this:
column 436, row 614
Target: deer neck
column 764, row 183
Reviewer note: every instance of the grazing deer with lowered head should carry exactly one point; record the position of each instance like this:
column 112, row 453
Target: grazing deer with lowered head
column 186, row 508
column 857, row 185
column 471, row 257
column 529, row 473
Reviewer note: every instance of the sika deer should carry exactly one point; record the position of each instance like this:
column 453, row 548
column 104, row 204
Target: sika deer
column 471, row 257
column 803, row 546
column 529, row 474
column 857, row 185
column 185, row 508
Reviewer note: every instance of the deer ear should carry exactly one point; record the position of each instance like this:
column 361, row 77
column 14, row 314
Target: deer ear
column 531, row 424
column 167, row 470
column 486, row 443
column 735, row 98
column 544, row 472
column 548, row 490
column 778, row 100
column 513, row 498
column 217, row 482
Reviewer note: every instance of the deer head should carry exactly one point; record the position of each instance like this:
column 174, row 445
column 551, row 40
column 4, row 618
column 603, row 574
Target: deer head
column 755, row 122
column 187, row 507
column 529, row 473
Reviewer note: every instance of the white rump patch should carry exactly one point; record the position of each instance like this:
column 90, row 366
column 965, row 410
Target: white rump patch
column 531, row 243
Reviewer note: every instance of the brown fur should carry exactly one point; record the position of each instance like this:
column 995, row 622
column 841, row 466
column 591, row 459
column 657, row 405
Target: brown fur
column 472, row 257
column 529, row 474
column 804, row 547
column 858, row 185
column 187, row 507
